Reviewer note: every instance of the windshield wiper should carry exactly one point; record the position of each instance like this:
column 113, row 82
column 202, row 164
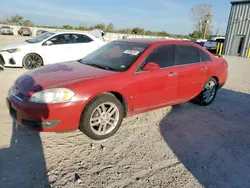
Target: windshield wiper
column 100, row 66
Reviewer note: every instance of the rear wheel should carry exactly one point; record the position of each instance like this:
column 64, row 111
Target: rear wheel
column 208, row 93
column 102, row 117
column 32, row 61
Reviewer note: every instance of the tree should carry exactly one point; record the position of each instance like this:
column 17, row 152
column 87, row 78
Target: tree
column 196, row 34
column 69, row 27
column 201, row 16
column 138, row 31
column 27, row 23
column 149, row 33
column 100, row 26
column 110, row 27
column 162, row 34
column 16, row 19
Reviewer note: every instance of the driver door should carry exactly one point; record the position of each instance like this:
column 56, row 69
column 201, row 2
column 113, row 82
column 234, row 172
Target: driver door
column 158, row 87
column 60, row 50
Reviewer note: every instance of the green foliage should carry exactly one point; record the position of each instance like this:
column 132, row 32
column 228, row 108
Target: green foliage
column 110, row 27
column 69, row 27
column 196, row 34
column 27, row 23
column 100, row 26
column 138, row 31
column 18, row 19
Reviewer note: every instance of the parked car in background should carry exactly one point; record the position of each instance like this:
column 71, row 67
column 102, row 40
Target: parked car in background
column 211, row 44
column 25, row 31
column 120, row 79
column 39, row 32
column 49, row 48
column 6, row 30
column 200, row 43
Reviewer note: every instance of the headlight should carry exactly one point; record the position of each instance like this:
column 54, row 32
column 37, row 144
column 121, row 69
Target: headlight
column 12, row 50
column 56, row 95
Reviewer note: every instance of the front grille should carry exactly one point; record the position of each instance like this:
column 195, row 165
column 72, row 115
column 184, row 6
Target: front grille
column 40, row 123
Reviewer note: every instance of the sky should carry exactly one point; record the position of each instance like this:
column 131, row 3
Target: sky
column 172, row 16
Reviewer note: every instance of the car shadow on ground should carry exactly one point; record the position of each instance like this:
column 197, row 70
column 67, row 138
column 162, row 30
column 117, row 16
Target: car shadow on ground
column 212, row 142
column 23, row 163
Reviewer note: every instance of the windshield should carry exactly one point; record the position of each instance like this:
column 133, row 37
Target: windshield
column 116, row 56
column 40, row 38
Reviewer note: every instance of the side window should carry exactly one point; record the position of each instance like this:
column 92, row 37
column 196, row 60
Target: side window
column 164, row 56
column 78, row 38
column 204, row 56
column 186, row 54
column 61, row 39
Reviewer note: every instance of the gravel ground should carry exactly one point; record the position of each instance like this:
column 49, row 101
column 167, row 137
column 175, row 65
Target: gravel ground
column 181, row 146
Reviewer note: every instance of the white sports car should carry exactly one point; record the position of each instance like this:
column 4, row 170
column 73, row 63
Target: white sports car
column 50, row 47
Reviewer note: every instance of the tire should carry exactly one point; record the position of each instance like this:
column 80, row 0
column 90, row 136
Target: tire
column 205, row 101
column 92, row 120
column 31, row 61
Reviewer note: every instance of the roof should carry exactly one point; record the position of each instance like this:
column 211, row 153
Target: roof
column 150, row 40
column 64, row 31
column 240, row 2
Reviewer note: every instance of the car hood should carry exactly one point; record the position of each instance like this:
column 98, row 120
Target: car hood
column 58, row 75
column 15, row 45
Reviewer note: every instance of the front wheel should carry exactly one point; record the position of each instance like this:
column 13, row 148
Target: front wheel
column 208, row 93
column 32, row 61
column 102, row 117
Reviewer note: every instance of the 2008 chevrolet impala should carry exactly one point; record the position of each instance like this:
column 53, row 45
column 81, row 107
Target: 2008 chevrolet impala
column 120, row 79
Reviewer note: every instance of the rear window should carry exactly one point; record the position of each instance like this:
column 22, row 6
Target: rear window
column 186, row 54
column 204, row 56
column 116, row 56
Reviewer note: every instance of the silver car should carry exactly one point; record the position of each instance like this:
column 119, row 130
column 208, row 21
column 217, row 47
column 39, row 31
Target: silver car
column 6, row 30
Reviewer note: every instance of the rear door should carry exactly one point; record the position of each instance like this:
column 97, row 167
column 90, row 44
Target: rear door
column 156, row 88
column 192, row 71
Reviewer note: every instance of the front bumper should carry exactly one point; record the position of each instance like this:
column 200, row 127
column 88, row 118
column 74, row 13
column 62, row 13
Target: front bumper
column 45, row 117
column 11, row 59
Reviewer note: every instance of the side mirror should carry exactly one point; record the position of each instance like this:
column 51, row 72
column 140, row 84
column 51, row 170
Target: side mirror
column 48, row 43
column 151, row 66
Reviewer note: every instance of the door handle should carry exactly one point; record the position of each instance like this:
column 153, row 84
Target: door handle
column 172, row 74
column 204, row 68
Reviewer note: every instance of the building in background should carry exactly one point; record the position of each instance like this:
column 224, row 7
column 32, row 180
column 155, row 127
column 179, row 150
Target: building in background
column 237, row 40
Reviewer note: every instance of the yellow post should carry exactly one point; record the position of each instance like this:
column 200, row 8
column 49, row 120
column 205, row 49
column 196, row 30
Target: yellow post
column 248, row 54
column 221, row 47
column 217, row 48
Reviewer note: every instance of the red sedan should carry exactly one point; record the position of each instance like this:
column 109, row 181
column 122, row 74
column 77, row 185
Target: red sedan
column 120, row 79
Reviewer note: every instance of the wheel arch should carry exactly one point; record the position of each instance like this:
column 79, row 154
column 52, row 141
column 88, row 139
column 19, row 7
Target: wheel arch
column 216, row 78
column 116, row 94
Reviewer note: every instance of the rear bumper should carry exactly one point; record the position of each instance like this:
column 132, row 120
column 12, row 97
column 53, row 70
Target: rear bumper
column 223, row 79
column 45, row 117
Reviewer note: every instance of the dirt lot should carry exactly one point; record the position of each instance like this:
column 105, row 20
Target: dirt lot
column 10, row 39
column 181, row 146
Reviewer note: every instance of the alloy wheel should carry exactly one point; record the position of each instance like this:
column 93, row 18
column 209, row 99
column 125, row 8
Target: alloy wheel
column 209, row 91
column 33, row 61
column 104, row 118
